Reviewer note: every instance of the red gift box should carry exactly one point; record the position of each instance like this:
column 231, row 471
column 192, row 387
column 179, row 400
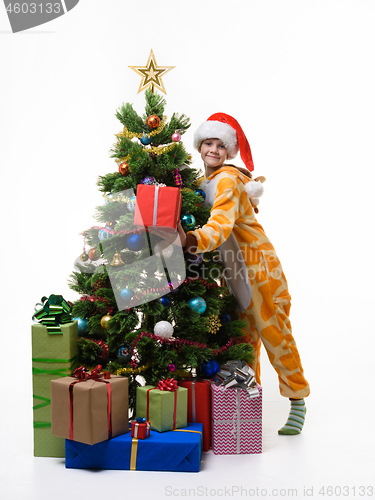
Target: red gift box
column 199, row 406
column 140, row 430
column 157, row 206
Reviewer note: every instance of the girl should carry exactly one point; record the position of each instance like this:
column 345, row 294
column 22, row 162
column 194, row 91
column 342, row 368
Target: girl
column 252, row 269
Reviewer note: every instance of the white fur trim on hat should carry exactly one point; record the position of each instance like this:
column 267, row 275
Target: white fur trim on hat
column 217, row 130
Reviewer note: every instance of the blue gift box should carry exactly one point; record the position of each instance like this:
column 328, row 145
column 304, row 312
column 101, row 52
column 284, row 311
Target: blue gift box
column 177, row 451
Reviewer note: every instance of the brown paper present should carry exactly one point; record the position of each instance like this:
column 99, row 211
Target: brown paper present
column 91, row 421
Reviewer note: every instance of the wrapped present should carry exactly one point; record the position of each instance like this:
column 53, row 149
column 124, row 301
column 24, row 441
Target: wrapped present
column 236, row 411
column 177, row 451
column 140, row 428
column 165, row 405
column 199, row 406
column 89, row 407
column 157, row 206
column 54, row 354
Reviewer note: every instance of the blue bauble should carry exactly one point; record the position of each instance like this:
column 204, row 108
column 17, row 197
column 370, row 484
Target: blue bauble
column 110, row 198
column 145, row 140
column 164, row 301
column 83, row 325
column 197, row 304
column 126, row 294
column 131, row 204
column 104, row 234
column 135, row 242
column 196, row 258
column 201, row 193
column 226, row 318
column 124, row 353
column 209, row 368
column 148, row 181
column 187, row 221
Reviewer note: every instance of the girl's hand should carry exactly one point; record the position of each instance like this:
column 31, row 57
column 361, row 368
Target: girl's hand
column 178, row 238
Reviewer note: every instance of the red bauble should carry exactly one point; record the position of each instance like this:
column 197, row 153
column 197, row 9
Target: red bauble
column 123, row 168
column 153, row 121
column 93, row 254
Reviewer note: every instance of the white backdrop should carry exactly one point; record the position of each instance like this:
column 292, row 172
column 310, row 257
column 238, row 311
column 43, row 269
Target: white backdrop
column 298, row 75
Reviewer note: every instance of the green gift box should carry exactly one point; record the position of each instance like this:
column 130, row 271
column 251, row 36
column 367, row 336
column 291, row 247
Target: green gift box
column 165, row 410
column 53, row 356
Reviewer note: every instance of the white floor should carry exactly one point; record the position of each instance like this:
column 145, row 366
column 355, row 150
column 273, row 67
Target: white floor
column 334, row 450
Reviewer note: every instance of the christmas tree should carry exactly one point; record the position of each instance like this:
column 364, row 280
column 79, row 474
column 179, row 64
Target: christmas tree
column 147, row 308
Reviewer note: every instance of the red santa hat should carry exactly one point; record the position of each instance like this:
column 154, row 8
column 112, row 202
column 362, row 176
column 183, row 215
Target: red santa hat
column 227, row 129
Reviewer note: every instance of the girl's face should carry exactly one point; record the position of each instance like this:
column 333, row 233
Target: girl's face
column 213, row 152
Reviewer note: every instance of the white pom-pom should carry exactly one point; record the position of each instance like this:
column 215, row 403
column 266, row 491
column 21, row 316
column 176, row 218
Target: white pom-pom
column 254, row 189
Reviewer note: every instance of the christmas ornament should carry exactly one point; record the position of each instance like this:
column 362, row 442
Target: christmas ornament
column 148, row 181
column 151, row 74
column 176, row 137
column 131, row 135
column 164, row 301
column 123, row 168
column 110, row 198
column 226, row 318
column 153, row 121
column 145, row 140
column 104, row 234
column 201, row 193
column 171, row 367
column 188, row 221
column 163, row 329
column 104, row 321
column 124, row 353
column 135, row 242
column 209, row 368
column 196, row 258
column 116, row 260
column 214, row 324
column 83, row 325
column 84, row 257
column 197, row 304
column 126, row 294
column 164, row 247
column 131, row 204
column 110, row 224
column 94, row 254
column 177, row 178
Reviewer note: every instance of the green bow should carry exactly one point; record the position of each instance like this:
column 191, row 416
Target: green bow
column 54, row 312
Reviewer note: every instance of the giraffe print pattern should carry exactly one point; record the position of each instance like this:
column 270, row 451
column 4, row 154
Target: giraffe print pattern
column 267, row 316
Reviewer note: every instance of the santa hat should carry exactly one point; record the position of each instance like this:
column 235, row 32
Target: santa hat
column 227, row 129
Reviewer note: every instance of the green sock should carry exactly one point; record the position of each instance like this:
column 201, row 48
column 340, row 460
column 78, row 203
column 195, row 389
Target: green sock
column 296, row 418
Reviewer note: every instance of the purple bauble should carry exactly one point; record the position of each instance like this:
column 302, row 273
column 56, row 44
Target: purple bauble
column 176, row 137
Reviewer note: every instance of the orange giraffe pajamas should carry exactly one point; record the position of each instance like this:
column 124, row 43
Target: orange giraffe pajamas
column 250, row 261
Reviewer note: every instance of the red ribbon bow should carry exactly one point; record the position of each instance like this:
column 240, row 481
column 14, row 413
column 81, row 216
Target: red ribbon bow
column 95, row 374
column 167, row 384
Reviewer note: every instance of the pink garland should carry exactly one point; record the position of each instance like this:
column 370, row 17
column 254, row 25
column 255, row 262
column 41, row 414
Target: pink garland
column 178, row 342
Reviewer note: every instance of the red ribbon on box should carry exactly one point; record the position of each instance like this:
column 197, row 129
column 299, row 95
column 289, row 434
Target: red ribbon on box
column 82, row 375
column 166, row 384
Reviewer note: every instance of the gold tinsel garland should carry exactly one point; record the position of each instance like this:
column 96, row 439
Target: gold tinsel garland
column 158, row 150
column 130, row 135
column 132, row 371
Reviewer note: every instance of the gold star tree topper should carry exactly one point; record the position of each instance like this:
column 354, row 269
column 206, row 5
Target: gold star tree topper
column 151, row 74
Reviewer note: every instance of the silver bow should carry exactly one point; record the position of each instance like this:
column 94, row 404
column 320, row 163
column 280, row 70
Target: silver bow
column 236, row 373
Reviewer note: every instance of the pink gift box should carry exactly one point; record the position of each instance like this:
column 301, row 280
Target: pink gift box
column 236, row 421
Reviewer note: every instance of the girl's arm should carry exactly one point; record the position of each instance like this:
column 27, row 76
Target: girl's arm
column 224, row 213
